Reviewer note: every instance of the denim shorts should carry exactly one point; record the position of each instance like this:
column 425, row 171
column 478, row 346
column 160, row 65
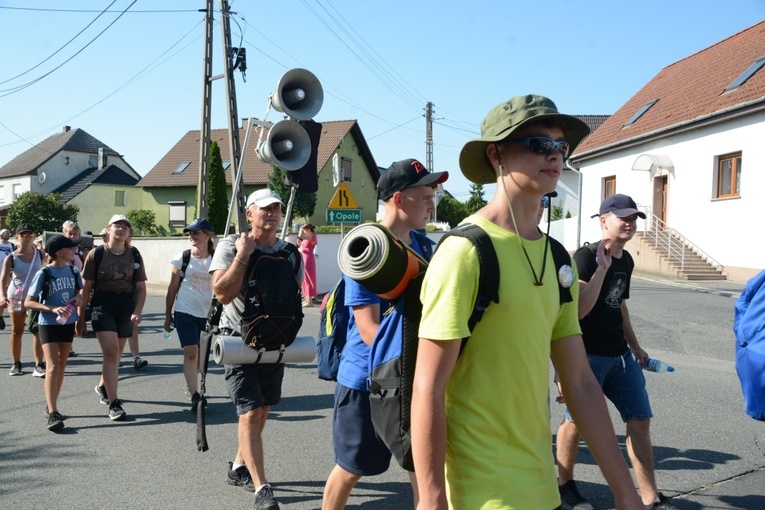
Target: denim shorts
column 189, row 328
column 253, row 386
column 623, row 384
column 357, row 448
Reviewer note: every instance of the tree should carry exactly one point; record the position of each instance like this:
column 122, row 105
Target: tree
column 218, row 205
column 305, row 203
column 451, row 211
column 476, row 200
column 42, row 212
column 143, row 222
column 556, row 212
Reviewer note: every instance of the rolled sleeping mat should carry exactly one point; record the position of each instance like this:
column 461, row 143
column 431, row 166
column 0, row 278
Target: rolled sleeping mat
column 375, row 258
column 231, row 350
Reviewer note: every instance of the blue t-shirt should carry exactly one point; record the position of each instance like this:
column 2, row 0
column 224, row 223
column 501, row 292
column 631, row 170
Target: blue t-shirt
column 354, row 363
column 61, row 290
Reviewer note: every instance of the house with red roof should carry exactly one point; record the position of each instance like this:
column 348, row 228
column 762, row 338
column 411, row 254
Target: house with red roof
column 171, row 184
column 688, row 148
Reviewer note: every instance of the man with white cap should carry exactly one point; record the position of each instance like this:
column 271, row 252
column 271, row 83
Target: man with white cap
column 254, row 388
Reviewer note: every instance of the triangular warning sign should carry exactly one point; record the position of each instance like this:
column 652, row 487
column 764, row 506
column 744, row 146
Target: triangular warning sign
column 343, row 198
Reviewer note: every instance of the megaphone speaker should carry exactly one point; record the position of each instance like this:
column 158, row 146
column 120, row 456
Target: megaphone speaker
column 298, row 94
column 287, row 146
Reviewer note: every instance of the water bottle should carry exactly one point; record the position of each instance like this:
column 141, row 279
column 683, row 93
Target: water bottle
column 70, row 308
column 168, row 335
column 658, row 366
column 17, row 301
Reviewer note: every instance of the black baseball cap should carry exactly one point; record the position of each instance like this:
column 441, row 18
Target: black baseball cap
column 621, row 205
column 24, row 227
column 59, row 241
column 406, row 174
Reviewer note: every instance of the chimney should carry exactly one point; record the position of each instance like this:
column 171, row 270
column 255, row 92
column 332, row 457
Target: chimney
column 67, row 129
column 101, row 158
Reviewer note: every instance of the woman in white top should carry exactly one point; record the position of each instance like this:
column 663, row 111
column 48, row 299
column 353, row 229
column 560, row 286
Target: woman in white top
column 18, row 270
column 191, row 293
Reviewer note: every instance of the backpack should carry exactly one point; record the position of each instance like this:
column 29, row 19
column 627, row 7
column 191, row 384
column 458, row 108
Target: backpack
column 333, row 329
column 750, row 345
column 394, row 350
column 273, row 310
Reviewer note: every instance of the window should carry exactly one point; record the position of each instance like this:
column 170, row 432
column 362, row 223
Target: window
column 177, row 214
column 182, row 167
column 226, row 164
column 346, row 166
column 640, row 112
column 728, row 176
column 16, row 191
column 2, row 194
column 92, row 161
column 609, row 186
column 746, row 74
column 120, row 198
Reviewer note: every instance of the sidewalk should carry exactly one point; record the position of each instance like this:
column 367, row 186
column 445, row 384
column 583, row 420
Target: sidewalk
column 719, row 287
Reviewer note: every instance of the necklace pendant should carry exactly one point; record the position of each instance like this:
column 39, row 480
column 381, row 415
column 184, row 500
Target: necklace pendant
column 538, row 284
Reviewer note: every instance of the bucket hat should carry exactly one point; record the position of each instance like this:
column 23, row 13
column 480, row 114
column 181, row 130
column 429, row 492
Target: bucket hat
column 505, row 119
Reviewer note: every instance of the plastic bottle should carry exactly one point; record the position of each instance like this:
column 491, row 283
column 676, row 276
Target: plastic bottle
column 70, row 308
column 168, row 334
column 658, row 366
column 17, row 301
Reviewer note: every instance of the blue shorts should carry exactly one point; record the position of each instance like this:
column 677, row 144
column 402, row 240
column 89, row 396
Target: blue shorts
column 253, row 386
column 357, row 448
column 189, row 328
column 623, row 384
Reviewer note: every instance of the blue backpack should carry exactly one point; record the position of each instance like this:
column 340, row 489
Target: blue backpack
column 749, row 326
column 333, row 330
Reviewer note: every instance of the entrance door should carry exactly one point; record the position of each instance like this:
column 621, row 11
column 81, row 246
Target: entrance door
column 660, row 199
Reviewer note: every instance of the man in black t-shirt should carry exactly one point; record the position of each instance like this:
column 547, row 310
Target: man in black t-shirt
column 613, row 351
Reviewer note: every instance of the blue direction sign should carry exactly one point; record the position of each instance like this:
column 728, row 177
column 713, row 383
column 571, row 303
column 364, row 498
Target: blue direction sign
column 344, row 215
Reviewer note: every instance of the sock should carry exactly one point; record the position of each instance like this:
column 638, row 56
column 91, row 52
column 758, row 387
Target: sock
column 235, row 466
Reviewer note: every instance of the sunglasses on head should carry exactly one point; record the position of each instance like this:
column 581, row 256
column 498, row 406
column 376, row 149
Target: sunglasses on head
column 542, row 145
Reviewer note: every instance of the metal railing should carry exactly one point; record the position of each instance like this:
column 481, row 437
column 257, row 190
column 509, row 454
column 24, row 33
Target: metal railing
column 675, row 242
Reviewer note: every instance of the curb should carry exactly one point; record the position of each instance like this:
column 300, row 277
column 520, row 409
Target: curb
column 731, row 293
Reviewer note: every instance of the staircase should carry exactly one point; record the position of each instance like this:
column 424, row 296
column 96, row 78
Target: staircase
column 686, row 258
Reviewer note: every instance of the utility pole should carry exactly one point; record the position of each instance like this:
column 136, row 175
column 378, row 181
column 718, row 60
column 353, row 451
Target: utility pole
column 429, row 136
column 203, row 182
column 233, row 119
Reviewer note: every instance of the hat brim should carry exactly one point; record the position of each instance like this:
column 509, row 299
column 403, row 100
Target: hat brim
column 122, row 220
column 623, row 213
column 476, row 168
column 265, row 202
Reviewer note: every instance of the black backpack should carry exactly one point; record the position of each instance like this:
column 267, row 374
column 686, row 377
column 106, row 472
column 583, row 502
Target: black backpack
column 273, row 310
column 394, row 351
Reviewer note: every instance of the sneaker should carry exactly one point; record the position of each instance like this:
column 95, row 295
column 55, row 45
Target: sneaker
column 101, row 390
column 2, row 322
column 55, row 421
column 240, row 477
column 139, row 363
column 571, row 499
column 195, row 400
column 264, row 499
column 39, row 370
column 72, row 353
column 662, row 503
column 116, row 413
column 16, row 369
column 47, row 414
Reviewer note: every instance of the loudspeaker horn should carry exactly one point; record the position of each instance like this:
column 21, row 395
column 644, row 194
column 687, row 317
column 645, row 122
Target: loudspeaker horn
column 287, row 146
column 298, row 94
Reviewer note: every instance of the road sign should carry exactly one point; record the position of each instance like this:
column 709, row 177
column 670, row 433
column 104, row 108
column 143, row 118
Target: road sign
column 344, row 215
column 343, row 198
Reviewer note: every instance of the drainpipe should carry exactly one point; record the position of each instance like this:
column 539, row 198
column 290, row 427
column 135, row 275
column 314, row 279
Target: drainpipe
column 579, row 203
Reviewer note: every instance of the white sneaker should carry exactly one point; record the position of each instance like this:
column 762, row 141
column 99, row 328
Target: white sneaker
column 39, row 370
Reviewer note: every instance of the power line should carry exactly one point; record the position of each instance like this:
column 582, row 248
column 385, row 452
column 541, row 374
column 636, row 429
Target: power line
column 22, row 87
column 62, row 47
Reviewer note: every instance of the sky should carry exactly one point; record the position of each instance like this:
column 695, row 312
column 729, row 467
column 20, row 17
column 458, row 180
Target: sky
column 129, row 72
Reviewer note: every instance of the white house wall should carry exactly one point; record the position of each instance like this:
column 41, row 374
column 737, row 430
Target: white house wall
column 721, row 228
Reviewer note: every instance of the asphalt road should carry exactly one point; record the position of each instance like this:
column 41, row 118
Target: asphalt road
column 708, row 453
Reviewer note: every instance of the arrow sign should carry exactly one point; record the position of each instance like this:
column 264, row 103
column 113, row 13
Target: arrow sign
column 344, row 215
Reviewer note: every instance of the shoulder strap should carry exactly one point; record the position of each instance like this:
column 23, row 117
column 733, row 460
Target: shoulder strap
column 488, row 273
column 136, row 258
column 292, row 249
column 98, row 256
column 426, row 245
column 76, row 281
column 185, row 259
column 45, row 278
column 561, row 258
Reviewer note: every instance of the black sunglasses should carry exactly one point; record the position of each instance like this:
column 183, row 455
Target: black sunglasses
column 542, row 145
